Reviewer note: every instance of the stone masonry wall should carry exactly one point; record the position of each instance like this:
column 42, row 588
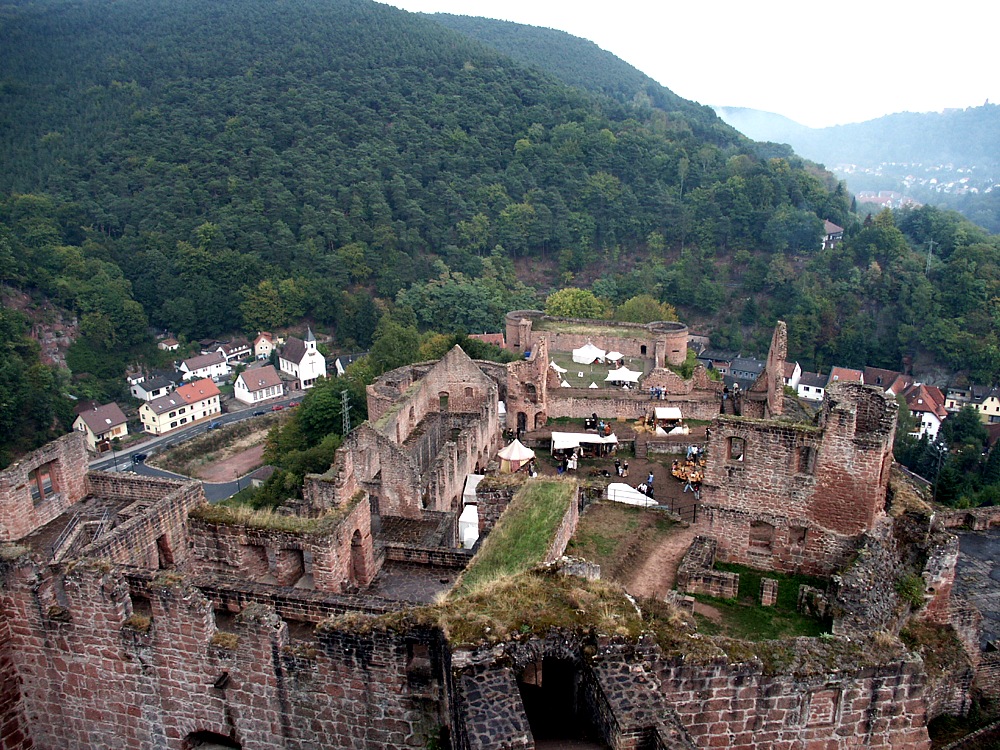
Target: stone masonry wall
column 697, row 576
column 738, row 706
column 331, row 558
column 65, row 461
column 564, row 532
column 156, row 536
column 796, row 497
column 92, row 679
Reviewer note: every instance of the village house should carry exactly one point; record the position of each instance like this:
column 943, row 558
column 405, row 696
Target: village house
column 236, row 350
column 791, row 374
column 168, row 344
column 340, row 363
column 746, row 368
column 832, row 234
column 845, row 375
column 212, row 365
column 718, row 360
column 302, row 360
column 987, row 403
column 101, row 425
column 146, row 389
column 191, row 402
column 263, row 345
column 926, row 404
column 811, row 386
column 258, row 384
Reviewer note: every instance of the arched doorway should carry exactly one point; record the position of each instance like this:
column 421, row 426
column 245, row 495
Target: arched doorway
column 209, row 741
column 551, row 694
column 522, row 422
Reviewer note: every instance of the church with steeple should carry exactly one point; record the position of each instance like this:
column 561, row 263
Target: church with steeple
column 302, row 360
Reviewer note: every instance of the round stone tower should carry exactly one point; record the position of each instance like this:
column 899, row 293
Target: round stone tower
column 673, row 338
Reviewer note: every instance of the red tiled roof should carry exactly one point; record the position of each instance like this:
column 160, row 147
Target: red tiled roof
column 197, row 390
column 925, row 398
column 846, row 375
column 260, row 378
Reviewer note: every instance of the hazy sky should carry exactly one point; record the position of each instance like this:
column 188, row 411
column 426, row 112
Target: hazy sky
column 817, row 63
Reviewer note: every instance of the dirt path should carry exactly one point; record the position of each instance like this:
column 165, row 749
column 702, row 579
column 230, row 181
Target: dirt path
column 658, row 573
column 239, row 464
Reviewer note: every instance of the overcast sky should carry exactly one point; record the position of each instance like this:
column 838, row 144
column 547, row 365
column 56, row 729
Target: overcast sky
column 818, row 63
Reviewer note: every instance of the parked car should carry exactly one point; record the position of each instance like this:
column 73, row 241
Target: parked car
column 277, row 407
column 138, row 458
column 293, row 404
column 259, row 413
column 214, row 425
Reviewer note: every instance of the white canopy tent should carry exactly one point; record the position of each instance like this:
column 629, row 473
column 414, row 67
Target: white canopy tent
column 588, row 354
column 514, row 456
column 469, row 492
column 667, row 412
column 622, row 493
column 623, row 375
column 615, row 356
column 557, row 368
column 564, row 384
column 563, row 441
column 468, row 526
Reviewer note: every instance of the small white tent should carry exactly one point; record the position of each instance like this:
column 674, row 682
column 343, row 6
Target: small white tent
column 615, row 356
column 592, row 385
column 514, row 456
column 468, row 526
column 622, row 493
column 623, row 375
column 564, row 384
column 557, row 368
column 588, row 354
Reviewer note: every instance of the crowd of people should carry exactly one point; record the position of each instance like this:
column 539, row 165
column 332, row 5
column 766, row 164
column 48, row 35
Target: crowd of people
column 691, row 470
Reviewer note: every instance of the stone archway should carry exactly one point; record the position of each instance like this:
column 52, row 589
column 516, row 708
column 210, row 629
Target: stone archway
column 209, row 741
column 551, row 691
column 359, row 569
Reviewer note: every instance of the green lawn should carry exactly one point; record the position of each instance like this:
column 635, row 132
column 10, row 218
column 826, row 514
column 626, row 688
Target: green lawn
column 745, row 618
column 523, row 534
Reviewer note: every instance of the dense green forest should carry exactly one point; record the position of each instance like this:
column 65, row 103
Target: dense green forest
column 231, row 167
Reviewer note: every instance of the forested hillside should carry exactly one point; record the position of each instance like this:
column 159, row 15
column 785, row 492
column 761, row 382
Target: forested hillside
column 235, row 166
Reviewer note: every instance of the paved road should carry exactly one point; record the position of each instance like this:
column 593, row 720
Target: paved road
column 214, row 492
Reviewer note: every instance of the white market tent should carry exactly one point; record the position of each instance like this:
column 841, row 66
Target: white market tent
column 514, row 456
column 592, row 385
column 557, row 368
column 622, row 493
column 564, row 384
column 667, row 412
column 623, row 375
column 563, row 441
column 588, row 354
column 615, row 356
column 469, row 492
column 468, row 526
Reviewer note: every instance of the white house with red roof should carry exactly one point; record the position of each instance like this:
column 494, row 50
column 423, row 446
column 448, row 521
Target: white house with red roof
column 212, row 365
column 191, row 402
column 926, row 404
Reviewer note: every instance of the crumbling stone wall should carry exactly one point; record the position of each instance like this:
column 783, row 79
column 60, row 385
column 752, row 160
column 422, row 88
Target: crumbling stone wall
column 152, row 533
column 55, row 472
column 696, row 574
column 528, row 389
column 335, row 559
column 663, row 341
column 94, row 677
column 791, row 497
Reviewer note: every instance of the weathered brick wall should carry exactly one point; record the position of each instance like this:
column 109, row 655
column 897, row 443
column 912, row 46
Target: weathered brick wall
column 493, row 495
column 988, row 675
column 738, row 706
column 90, row 682
column 65, row 460
column 444, row 558
column 578, row 403
column 695, row 575
column 789, row 496
column 564, row 532
column 528, row 391
column 154, row 538
column 335, row 559
column 491, row 715
column 663, row 341
column 977, row 519
column 15, row 732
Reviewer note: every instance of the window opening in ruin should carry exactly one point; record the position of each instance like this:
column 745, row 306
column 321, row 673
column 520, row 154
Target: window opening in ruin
column 42, row 485
column 522, row 421
column 550, row 694
column 255, row 562
column 531, row 393
column 469, row 392
column 209, row 741
column 540, row 420
column 455, row 433
column 642, row 350
column 806, row 460
column 797, row 535
column 376, row 513
column 868, row 413
column 412, row 417
column 225, row 620
column 419, row 670
column 141, row 605
column 736, row 448
column 358, row 568
column 443, row 400
column 289, row 566
column 761, row 536
column 164, row 555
